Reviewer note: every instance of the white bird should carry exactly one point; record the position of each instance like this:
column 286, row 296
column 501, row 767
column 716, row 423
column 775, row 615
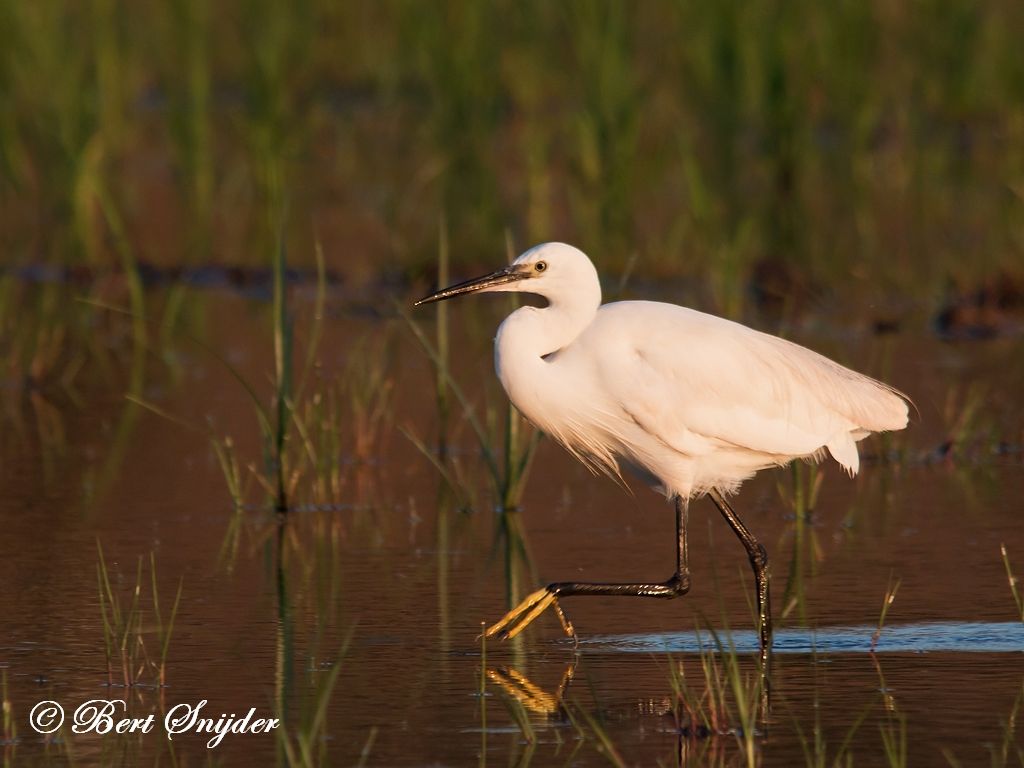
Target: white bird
column 693, row 403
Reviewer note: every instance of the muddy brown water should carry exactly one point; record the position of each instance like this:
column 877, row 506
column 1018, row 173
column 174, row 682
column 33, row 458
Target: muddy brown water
column 394, row 579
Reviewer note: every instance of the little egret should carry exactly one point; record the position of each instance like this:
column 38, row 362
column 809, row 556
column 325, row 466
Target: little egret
column 692, row 403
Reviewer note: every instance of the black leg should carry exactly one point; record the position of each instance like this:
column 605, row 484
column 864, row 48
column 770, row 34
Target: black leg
column 678, row 584
column 759, row 563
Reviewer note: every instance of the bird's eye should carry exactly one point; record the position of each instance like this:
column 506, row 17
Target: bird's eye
column 540, row 266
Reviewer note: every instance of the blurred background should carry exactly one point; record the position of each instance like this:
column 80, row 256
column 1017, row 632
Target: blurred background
column 776, row 151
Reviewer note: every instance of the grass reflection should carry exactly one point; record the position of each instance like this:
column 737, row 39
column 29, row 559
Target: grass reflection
column 800, row 498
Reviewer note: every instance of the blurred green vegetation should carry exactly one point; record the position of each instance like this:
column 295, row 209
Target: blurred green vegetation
column 787, row 145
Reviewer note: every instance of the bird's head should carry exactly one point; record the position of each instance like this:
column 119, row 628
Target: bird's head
column 550, row 270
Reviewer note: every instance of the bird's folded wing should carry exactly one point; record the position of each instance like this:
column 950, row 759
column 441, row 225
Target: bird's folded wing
column 720, row 384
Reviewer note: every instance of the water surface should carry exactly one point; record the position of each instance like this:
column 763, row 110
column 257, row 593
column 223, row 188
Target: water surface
column 393, row 577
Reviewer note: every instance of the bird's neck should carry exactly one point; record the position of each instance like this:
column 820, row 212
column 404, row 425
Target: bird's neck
column 531, row 334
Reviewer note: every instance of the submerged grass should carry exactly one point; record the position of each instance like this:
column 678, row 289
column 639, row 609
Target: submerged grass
column 966, row 421
column 506, row 443
column 1008, row 751
column 481, row 693
column 890, row 597
column 10, row 730
column 304, row 558
column 317, row 424
column 721, row 699
column 276, row 441
column 801, row 497
column 301, row 429
column 1013, row 581
column 442, row 344
column 124, row 628
column 816, row 750
column 894, row 740
column 369, row 383
column 590, row 729
column 306, row 744
column 893, row 728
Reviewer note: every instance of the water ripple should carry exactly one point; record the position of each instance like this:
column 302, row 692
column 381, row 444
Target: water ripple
column 958, row 636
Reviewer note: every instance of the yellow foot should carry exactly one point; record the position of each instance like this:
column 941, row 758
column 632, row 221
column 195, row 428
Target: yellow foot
column 516, row 620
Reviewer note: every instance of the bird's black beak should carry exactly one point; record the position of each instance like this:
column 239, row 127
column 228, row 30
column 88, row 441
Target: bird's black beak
column 509, row 274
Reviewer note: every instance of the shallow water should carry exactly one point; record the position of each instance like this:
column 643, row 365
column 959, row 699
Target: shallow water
column 954, row 636
column 394, row 579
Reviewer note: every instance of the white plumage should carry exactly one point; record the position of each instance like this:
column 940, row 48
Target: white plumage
column 693, row 403
column 689, row 400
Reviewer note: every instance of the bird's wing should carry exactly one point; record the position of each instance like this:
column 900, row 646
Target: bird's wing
column 701, row 383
